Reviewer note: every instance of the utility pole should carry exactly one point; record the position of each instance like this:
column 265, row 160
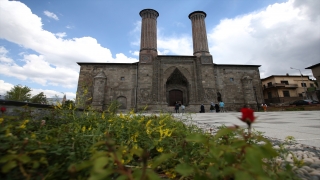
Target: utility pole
column 304, row 87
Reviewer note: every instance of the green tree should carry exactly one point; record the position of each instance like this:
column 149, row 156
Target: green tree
column 39, row 98
column 19, row 93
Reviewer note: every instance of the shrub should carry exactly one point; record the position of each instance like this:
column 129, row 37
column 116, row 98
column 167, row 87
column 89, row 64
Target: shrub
column 106, row 145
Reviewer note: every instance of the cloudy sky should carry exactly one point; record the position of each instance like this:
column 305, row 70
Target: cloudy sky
column 41, row 41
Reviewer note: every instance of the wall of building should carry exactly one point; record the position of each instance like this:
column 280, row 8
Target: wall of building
column 230, row 84
column 120, row 82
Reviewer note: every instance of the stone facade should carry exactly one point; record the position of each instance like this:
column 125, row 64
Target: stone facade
column 160, row 80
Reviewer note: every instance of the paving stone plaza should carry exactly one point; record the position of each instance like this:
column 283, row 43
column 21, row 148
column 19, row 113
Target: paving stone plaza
column 304, row 126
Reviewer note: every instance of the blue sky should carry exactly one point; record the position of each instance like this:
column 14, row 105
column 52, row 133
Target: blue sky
column 41, row 41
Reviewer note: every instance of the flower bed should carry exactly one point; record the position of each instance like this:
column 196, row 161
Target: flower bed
column 106, row 145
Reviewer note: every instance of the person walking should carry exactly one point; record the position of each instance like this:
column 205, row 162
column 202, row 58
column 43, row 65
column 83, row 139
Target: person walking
column 212, row 107
column 182, row 108
column 221, row 105
column 202, row 109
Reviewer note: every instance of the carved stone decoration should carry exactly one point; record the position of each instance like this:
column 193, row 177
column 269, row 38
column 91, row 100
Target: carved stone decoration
column 206, row 60
column 209, row 95
column 98, row 90
column 144, row 95
column 247, row 88
column 145, row 59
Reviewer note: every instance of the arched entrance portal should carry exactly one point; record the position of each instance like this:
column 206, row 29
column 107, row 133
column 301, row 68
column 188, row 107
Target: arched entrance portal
column 175, row 96
column 177, row 88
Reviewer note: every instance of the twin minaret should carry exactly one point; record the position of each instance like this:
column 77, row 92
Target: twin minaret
column 148, row 44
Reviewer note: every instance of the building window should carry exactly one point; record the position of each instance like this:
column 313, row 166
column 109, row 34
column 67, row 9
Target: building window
column 311, row 85
column 300, row 94
column 269, row 84
column 303, row 84
column 122, row 78
column 286, row 94
column 231, row 79
column 285, row 82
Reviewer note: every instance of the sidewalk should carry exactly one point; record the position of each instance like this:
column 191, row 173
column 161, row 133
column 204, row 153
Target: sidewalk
column 304, row 126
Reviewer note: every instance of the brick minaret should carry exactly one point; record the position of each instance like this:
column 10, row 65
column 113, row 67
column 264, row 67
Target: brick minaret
column 199, row 34
column 148, row 44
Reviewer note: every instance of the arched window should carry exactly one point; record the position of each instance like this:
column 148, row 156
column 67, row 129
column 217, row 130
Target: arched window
column 123, row 102
column 219, row 97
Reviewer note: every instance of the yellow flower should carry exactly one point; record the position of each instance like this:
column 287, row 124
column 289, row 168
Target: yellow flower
column 160, row 149
column 8, row 133
column 121, row 115
column 83, row 129
column 70, row 106
column 135, row 146
column 25, row 121
column 148, row 123
column 1, row 120
column 89, row 128
column 124, row 151
column 132, row 112
column 22, row 126
column 171, row 175
column 33, row 136
column 102, row 116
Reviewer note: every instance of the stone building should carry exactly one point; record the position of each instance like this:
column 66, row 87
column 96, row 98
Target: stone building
column 161, row 80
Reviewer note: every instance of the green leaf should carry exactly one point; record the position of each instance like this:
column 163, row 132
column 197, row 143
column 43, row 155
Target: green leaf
column 24, row 158
column 8, row 166
column 199, row 138
column 39, row 151
column 152, row 175
column 184, row 169
column 137, row 174
column 35, row 164
column 242, row 175
column 122, row 177
column 100, row 163
column 7, row 158
column 160, row 159
column 223, row 132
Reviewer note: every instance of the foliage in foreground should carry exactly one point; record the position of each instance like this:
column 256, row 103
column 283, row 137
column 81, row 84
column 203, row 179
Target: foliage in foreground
column 95, row 145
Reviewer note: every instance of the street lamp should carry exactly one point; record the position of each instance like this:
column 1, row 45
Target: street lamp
column 304, row 87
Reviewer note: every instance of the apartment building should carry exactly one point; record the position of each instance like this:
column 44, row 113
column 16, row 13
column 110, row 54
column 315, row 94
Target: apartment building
column 285, row 88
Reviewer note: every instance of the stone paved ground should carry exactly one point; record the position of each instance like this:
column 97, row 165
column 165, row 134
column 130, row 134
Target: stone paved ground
column 304, row 126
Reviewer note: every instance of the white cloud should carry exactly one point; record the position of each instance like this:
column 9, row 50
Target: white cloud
column 56, row 64
column 3, row 56
column 49, row 93
column 61, row 34
column 279, row 37
column 4, row 87
column 51, row 15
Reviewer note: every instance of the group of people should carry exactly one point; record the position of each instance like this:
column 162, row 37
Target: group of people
column 218, row 107
column 177, row 107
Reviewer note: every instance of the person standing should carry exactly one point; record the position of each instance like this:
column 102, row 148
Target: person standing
column 182, row 108
column 264, row 106
column 176, row 107
column 211, row 107
column 221, row 105
column 202, row 109
column 217, row 108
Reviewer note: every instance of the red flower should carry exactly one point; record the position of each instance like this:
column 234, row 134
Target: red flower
column 247, row 115
column 3, row 109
